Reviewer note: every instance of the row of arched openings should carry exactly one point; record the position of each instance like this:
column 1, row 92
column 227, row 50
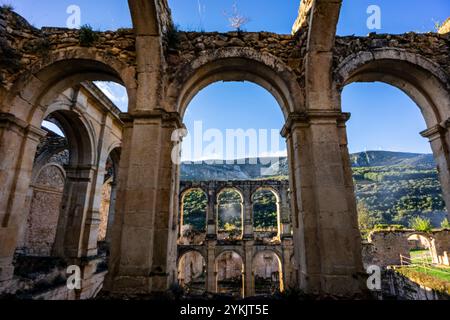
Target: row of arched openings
column 230, row 212
column 229, row 273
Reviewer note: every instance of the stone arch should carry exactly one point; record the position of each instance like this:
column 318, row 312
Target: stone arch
column 114, row 153
column 236, row 64
column 277, row 195
column 424, row 81
column 425, row 238
column 109, row 192
column 240, row 192
column 35, row 90
column 26, row 104
column 191, row 265
column 420, row 78
column 183, row 194
column 53, row 182
column 233, row 188
column 81, row 137
column 279, row 265
column 189, row 189
column 229, row 273
column 183, row 251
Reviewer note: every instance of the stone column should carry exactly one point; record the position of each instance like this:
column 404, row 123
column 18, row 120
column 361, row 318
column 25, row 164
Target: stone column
column 247, row 226
column 326, row 235
column 287, row 270
column 284, row 218
column 18, row 143
column 211, row 273
column 143, row 249
column 73, row 224
column 111, row 211
column 439, row 141
column 211, row 214
column 249, row 281
column 92, row 223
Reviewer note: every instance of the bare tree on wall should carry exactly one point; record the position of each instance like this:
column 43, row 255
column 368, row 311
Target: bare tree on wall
column 236, row 19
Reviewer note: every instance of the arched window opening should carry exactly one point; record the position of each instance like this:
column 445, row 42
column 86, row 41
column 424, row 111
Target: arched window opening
column 229, row 270
column 267, row 272
column 394, row 170
column 108, row 202
column 70, row 181
column 266, row 216
column 193, row 208
column 229, row 215
column 192, row 273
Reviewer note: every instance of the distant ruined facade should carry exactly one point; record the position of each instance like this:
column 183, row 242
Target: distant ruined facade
column 162, row 71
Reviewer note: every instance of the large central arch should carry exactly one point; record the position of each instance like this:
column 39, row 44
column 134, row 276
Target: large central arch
column 236, row 64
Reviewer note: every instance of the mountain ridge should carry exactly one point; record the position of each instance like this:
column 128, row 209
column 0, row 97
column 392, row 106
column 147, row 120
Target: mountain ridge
column 268, row 167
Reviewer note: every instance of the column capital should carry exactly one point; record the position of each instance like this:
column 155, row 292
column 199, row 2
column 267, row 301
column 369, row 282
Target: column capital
column 79, row 172
column 436, row 131
column 10, row 120
column 306, row 118
column 169, row 119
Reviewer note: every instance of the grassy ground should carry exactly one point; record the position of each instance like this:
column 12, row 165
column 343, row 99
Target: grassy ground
column 429, row 278
column 440, row 273
column 420, row 256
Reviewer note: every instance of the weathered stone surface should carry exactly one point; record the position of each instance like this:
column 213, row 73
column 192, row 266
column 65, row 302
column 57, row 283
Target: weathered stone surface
column 162, row 71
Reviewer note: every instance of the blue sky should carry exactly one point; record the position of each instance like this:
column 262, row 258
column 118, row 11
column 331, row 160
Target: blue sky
column 383, row 117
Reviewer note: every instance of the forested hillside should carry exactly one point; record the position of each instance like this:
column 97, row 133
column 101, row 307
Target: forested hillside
column 391, row 187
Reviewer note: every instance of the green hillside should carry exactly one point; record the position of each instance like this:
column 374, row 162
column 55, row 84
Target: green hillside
column 391, row 187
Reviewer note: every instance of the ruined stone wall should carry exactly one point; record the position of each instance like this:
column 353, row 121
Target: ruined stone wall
column 266, row 265
column 191, row 45
column 303, row 16
column 44, row 212
column 191, row 266
column 229, row 266
column 385, row 247
column 445, row 28
column 403, row 288
column 165, row 16
column 104, row 210
column 22, row 46
column 433, row 46
column 442, row 245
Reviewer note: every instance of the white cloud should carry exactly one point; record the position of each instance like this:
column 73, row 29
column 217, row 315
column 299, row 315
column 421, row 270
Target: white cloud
column 115, row 92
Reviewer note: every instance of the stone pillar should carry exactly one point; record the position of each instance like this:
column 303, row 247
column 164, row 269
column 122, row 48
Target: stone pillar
column 211, row 214
column 111, row 211
column 18, row 143
column 73, row 223
column 284, row 217
column 249, row 280
column 287, row 270
column 211, row 273
column 326, row 235
column 247, row 225
column 143, row 250
column 439, row 141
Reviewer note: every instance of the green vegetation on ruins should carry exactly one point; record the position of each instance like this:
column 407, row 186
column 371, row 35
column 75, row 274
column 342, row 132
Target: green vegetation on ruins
column 392, row 189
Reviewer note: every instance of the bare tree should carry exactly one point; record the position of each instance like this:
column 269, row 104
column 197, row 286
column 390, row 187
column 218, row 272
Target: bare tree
column 237, row 20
